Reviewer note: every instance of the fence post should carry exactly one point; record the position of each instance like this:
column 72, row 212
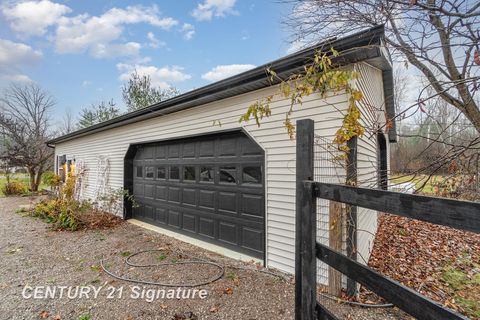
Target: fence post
column 305, row 226
column 352, row 212
column 335, row 243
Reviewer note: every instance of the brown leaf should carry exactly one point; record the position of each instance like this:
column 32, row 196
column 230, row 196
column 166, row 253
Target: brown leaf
column 228, row 291
column 412, row 2
column 163, row 306
column 236, row 282
column 57, row 317
column 44, row 314
column 214, row 309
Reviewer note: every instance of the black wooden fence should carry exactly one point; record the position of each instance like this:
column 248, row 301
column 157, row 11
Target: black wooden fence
column 453, row 213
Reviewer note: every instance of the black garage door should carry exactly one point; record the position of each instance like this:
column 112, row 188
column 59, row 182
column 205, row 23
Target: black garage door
column 209, row 187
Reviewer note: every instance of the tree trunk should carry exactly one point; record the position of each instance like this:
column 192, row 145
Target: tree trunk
column 33, row 181
column 39, row 178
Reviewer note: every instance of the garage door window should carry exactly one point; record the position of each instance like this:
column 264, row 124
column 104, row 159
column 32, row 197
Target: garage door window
column 174, row 173
column 139, row 171
column 161, row 173
column 228, row 175
column 149, row 172
column 252, row 175
column 189, row 173
column 207, row 174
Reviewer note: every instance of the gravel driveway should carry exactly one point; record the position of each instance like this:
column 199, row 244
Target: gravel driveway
column 33, row 257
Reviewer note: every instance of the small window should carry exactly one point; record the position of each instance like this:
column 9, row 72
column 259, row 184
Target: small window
column 189, row 173
column 174, row 173
column 252, row 174
column 228, row 175
column 139, row 172
column 149, row 172
column 206, row 174
column 161, row 173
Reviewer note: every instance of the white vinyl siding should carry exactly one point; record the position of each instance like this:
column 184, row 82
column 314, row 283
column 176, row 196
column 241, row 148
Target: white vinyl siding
column 271, row 136
column 373, row 116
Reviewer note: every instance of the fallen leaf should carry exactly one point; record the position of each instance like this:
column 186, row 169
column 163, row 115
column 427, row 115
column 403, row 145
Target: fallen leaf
column 213, row 309
column 228, row 291
column 44, row 314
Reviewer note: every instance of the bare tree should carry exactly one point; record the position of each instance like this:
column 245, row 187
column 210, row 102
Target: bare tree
column 67, row 123
column 440, row 38
column 25, row 125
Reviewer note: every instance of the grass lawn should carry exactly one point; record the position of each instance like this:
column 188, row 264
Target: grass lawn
column 419, row 180
column 22, row 177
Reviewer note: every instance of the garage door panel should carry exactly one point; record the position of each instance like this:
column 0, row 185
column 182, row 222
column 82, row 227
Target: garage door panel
column 189, row 222
column 161, row 215
column 189, row 197
column 173, row 151
column 160, row 152
column 139, row 187
column 253, row 239
column 227, row 147
column 149, row 212
column 227, row 202
column 208, row 187
column 252, row 204
column 174, row 194
column 207, row 199
column 206, row 149
column 174, row 218
column 161, row 193
column 206, row 227
column 188, row 150
column 149, row 191
column 227, row 232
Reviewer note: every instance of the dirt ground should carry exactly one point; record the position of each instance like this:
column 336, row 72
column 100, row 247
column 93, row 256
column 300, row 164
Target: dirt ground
column 34, row 257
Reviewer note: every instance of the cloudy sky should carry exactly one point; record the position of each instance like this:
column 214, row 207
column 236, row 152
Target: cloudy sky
column 82, row 51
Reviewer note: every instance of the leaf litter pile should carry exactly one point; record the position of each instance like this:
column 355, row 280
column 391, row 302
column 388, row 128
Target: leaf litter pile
column 441, row 263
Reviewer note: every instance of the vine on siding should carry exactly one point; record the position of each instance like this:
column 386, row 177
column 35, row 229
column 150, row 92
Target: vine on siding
column 318, row 77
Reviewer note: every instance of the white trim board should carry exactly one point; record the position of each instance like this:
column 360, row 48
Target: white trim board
column 199, row 243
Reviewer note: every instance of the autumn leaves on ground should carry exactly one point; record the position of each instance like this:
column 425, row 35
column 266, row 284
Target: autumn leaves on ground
column 439, row 262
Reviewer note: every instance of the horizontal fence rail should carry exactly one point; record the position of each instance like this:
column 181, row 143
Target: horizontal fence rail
column 464, row 215
column 448, row 212
column 405, row 298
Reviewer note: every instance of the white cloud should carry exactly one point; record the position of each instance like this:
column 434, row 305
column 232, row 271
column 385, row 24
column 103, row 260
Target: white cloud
column 22, row 78
column 162, row 77
column 225, row 71
column 14, row 53
column 13, row 56
column 188, row 31
column 213, row 8
column 33, row 17
column 297, row 45
column 95, row 34
column 101, row 36
column 154, row 42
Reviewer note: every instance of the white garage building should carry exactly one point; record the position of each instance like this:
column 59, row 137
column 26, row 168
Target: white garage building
column 232, row 186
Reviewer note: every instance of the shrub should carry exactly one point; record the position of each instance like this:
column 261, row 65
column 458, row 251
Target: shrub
column 67, row 213
column 72, row 215
column 13, row 188
column 51, row 179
